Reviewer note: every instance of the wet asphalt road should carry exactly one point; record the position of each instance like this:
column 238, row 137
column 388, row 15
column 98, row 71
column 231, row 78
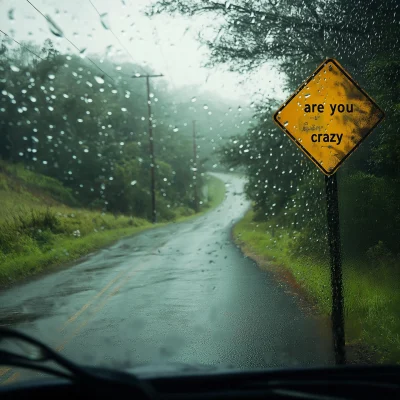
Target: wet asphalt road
column 178, row 293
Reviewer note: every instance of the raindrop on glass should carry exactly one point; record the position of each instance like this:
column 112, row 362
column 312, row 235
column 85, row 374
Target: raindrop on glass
column 104, row 21
column 99, row 79
column 54, row 29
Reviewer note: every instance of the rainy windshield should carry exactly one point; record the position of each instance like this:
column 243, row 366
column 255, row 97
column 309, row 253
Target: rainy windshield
column 201, row 182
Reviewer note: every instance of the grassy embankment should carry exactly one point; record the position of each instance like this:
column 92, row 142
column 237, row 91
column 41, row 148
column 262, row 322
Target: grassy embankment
column 39, row 231
column 372, row 298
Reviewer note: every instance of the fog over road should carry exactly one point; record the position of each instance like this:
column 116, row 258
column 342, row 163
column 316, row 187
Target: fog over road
column 177, row 293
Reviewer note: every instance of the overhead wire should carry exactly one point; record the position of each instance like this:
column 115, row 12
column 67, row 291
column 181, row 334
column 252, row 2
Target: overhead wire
column 162, row 55
column 72, row 44
column 119, row 41
column 24, row 47
column 41, row 58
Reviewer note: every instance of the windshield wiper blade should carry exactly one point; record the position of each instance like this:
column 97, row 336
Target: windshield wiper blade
column 39, row 353
column 102, row 378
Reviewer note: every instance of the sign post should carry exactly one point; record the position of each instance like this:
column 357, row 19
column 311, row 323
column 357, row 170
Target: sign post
column 337, row 312
column 328, row 117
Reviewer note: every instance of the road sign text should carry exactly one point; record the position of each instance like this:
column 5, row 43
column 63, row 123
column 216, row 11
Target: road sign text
column 334, row 107
column 326, row 137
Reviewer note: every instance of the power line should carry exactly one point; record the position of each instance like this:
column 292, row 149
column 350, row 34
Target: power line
column 119, row 41
column 24, row 47
column 69, row 41
column 76, row 47
column 43, row 59
column 162, row 54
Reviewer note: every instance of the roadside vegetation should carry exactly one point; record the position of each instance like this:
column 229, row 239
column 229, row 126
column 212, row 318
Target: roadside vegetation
column 371, row 304
column 41, row 228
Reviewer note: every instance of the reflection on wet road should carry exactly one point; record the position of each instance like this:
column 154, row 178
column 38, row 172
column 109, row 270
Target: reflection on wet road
column 178, row 293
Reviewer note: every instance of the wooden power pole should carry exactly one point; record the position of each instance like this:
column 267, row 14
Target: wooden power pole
column 151, row 143
column 196, row 195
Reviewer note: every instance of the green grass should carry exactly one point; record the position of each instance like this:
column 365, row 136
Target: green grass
column 38, row 239
column 37, row 232
column 371, row 291
column 216, row 195
column 15, row 178
column 216, row 191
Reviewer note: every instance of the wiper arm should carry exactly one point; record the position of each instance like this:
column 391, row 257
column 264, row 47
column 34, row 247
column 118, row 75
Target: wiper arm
column 97, row 377
column 38, row 354
column 7, row 358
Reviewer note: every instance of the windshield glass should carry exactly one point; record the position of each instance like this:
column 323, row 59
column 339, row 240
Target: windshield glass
column 179, row 186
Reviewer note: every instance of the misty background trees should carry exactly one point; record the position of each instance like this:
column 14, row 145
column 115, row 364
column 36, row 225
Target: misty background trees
column 63, row 117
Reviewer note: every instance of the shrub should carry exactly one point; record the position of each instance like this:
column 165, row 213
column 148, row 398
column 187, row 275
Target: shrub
column 28, row 230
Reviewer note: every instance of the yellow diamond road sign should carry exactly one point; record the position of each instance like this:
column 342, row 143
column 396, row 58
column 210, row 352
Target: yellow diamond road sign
column 329, row 116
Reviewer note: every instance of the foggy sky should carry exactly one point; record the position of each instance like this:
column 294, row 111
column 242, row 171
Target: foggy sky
column 168, row 45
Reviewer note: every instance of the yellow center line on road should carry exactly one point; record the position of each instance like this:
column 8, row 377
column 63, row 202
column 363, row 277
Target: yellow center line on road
column 12, row 378
column 59, row 348
column 91, row 301
column 4, row 370
column 97, row 309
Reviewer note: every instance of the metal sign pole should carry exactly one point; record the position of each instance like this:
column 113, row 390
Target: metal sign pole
column 337, row 316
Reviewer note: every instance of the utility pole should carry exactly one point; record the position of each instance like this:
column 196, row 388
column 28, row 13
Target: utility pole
column 151, row 143
column 196, row 196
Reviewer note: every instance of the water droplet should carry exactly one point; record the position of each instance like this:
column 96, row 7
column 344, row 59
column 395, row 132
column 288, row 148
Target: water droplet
column 193, row 99
column 123, row 109
column 32, row 99
column 104, row 21
column 99, row 79
column 54, row 29
column 133, row 183
column 14, row 68
column 286, row 123
column 51, row 76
